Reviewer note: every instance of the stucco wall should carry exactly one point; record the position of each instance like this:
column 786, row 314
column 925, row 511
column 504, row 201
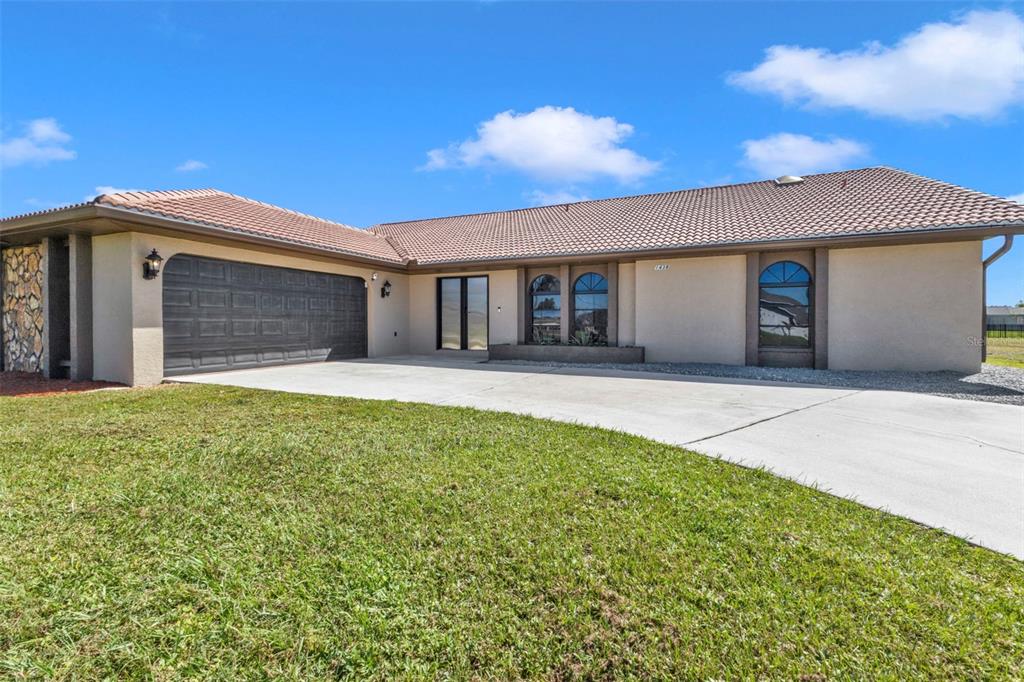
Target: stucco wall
column 627, row 304
column 502, row 304
column 905, row 307
column 128, row 315
column 22, row 308
column 694, row 311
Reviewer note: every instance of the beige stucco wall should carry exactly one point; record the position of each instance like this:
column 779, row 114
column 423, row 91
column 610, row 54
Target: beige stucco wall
column 694, row 311
column 502, row 303
column 128, row 310
column 627, row 304
column 905, row 307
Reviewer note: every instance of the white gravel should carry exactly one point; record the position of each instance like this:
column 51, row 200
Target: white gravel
column 994, row 383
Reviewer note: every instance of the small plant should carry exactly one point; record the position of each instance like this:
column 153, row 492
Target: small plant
column 588, row 337
column 542, row 336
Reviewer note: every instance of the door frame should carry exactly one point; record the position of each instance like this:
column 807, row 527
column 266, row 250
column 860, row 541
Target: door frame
column 463, row 310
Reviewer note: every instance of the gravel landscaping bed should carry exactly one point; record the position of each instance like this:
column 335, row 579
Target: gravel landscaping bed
column 994, row 383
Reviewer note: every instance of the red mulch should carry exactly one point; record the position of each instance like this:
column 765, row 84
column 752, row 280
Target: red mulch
column 32, row 383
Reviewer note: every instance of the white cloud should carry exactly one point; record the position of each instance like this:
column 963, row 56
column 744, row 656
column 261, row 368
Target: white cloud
column 107, row 189
column 190, row 165
column 1019, row 198
column 789, row 154
column 42, row 142
column 550, row 143
column 539, row 197
column 971, row 68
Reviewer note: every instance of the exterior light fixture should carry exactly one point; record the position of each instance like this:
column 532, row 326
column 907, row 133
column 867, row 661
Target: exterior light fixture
column 151, row 266
column 385, row 289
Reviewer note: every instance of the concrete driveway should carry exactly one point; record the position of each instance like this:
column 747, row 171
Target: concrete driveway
column 951, row 464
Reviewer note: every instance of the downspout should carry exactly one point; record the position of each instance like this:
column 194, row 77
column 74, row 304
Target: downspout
column 999, row 253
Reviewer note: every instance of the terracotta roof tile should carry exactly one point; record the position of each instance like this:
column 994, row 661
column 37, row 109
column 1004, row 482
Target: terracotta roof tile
column 239, row 214
column 858, row 202
column 246, row 216
column 869, row 201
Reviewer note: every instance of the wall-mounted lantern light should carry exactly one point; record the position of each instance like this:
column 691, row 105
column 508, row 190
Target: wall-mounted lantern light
column 151, row 266
column 385, row 289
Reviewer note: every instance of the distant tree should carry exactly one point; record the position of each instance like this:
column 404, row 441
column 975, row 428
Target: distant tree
column 1020, row 303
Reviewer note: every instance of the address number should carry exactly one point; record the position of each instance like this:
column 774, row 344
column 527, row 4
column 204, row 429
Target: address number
column 663, row 266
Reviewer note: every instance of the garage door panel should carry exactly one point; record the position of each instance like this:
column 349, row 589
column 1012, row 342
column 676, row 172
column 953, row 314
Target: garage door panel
column 212, row 299
column 271, row 328
column 177, row 328
column 174, row 298
column 178, row 267
column 243, row 301
column 271, row 304
column 210, row 269
column 213, row 328
column 243, row 327
column 222, row 315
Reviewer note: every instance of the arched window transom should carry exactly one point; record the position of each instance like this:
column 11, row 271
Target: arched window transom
column 784, row 306
column 545, row 310
column 590, row 309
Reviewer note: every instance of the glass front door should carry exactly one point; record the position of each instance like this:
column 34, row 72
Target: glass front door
column 462, row 313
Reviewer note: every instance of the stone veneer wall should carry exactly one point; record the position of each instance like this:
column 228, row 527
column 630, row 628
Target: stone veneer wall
column 22, row 308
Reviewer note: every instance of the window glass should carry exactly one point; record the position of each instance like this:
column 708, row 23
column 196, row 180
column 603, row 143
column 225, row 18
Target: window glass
column 545, row 309
column 590, row 307
column 476, row 313
column 451, row 313
column 784, row 306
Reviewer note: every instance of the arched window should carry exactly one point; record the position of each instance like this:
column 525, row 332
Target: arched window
column 545, row 310
column 590, row 308
column 785, row 306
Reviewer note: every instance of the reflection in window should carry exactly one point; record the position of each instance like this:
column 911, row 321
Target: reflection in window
column 784, row 309
column 590, row 310
column 545, row 310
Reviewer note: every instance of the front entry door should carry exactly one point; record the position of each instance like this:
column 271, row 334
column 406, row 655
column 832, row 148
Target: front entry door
column 462, row 313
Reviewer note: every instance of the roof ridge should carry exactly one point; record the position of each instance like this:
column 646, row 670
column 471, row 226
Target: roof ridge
column 631, row 196
column 213, row 223
column 297, row 213
column 150, row 195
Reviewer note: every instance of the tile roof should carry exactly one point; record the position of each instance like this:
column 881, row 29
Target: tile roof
column 869, row 201
column 858, row 202
column 246, row 216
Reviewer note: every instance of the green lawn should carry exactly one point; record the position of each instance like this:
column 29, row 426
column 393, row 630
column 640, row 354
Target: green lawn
column 1008, row 351
column 211, row 532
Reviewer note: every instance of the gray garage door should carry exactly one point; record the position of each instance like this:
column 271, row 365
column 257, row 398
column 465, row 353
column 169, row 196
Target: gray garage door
column 224, row 315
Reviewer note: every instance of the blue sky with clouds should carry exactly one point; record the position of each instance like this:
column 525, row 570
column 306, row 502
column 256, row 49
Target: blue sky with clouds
column 365, row 113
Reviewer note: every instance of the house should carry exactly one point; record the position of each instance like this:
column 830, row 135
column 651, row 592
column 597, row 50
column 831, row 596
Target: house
column 870, row 269
column 1005, row 315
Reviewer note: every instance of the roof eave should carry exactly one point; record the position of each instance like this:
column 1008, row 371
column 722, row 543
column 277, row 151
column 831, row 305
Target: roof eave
column 46, row 219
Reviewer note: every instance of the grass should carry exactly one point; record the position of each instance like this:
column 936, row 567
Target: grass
column 213, row 532
column 1006, row 351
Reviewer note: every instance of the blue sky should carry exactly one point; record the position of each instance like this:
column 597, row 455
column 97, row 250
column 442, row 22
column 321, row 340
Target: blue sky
column 367, row 113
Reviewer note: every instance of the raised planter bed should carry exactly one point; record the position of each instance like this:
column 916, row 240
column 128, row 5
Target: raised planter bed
column 559, row 353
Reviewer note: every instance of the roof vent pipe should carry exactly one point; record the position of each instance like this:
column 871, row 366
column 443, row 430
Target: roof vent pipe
column 788, row 180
